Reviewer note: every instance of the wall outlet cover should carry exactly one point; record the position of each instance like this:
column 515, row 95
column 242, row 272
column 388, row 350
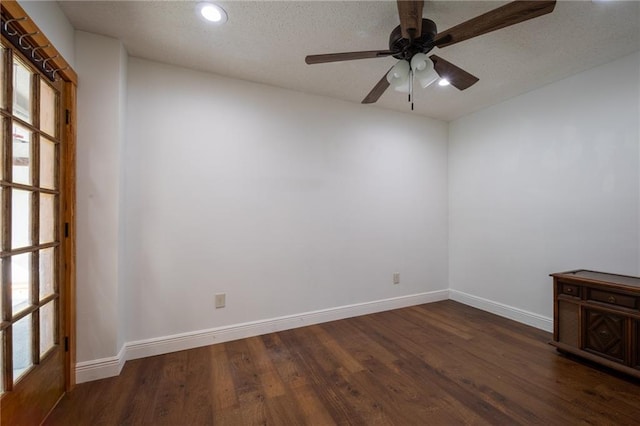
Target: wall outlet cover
column 220, row 300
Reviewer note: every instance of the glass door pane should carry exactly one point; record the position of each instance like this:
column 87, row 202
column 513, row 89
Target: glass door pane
column 21, row 155
column 22, row 356
column 47, row 327
column 47, row 218
column 22, row 96
column 47, row 109
column 47, row 272
column 20, row 218
column 47, row 163
column 20, row 282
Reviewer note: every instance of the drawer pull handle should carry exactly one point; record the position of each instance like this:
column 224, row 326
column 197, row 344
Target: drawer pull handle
column 569, row 290
column 611, row 299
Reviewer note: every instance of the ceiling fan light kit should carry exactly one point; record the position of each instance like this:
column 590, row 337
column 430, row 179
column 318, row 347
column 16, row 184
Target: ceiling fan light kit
column 420, row 69
column 416, row 36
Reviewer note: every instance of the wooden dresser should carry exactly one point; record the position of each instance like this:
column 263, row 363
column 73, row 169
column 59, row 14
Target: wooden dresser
column 596, row 315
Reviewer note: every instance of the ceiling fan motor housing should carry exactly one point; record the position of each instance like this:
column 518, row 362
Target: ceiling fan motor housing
column 407, row 48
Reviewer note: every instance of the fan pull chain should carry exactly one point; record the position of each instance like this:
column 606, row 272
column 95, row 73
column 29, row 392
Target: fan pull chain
column 411, row 88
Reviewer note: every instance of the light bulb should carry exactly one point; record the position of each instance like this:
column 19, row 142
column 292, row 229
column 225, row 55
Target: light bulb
column 443, row 82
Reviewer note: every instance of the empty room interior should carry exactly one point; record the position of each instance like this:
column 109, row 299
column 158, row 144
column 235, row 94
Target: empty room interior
column 241, row 212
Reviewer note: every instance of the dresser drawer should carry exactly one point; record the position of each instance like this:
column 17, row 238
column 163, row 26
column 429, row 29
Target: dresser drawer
column 569, row 289
column 613, row 298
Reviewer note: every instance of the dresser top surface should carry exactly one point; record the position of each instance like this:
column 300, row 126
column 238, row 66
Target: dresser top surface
column 603, row 277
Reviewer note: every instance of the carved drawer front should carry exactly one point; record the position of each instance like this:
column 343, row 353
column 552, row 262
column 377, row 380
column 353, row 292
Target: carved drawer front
column 569, row 289
column 613, row 298
column 604, row 334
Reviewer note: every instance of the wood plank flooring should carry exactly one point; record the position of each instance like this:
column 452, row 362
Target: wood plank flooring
column 437, row 364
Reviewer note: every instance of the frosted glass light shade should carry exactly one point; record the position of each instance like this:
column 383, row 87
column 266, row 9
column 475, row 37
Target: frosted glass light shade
column 402, row 87
column 423, row 71
column 398, row 77
column 426, row 77
column 420, row 61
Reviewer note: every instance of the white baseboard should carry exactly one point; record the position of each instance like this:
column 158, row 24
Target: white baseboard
column 88, row 371
column 108, row 367
column 516, row 314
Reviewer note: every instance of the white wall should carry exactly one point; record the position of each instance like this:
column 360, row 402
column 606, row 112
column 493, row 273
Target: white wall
column 100, row 64
column 546, row 182
column 54, row 24
column 286, row 202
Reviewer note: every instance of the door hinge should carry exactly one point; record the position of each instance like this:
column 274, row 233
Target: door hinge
column 67, row 116
column 66, row 229
column 66, row 343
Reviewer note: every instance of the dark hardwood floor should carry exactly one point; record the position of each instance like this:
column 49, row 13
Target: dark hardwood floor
column 437, row 364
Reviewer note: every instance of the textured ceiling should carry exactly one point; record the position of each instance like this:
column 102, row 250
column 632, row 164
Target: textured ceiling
column 266, row 42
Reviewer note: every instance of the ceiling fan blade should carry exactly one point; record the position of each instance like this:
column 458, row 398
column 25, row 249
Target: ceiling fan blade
column 504, row 16
column 410, row 13
column 377, row 90
column 459, row 78
column 347, row 56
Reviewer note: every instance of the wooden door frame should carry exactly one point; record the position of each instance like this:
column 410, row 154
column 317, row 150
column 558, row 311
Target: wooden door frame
column 68, row 227
column 34, row 37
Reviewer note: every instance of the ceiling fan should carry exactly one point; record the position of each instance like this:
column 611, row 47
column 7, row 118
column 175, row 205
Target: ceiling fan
column 416, row 36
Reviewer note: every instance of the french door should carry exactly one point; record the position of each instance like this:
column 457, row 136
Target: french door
column 34, row 258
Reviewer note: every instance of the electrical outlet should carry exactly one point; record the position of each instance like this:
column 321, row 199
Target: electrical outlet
column 220, row 300
column 396, row 277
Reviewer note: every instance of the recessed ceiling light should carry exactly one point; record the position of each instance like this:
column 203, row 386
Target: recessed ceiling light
column 443, row 82
column 212, row 13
